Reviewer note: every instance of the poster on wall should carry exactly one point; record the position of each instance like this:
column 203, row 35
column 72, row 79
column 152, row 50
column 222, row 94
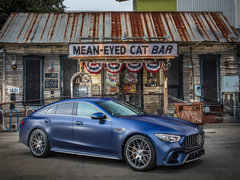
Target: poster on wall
column 130, row 88
column 81, row 91
column 130, row 77
column 51, row 81
column 112, row 81
column 112, row 90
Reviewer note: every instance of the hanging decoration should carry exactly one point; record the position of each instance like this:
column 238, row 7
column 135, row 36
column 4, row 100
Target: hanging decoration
column 134, row 67
column 94, row 68
column 153, row 67
column 114, row 67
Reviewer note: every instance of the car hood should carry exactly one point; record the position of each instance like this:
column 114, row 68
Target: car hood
column 165, row 123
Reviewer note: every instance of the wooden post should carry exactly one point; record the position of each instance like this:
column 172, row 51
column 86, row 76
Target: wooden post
column 165, row 86
column 81, row 67
column 3, row 77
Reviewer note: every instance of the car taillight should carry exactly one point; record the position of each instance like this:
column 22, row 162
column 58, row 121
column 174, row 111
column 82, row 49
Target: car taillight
column 22, row 122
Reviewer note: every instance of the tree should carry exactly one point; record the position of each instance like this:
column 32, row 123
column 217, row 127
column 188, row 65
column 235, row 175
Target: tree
column 8, row 6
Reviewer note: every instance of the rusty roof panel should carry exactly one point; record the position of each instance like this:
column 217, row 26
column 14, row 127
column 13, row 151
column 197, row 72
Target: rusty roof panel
column 66, row 27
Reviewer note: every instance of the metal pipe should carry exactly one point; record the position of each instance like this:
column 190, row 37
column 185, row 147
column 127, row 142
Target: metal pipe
column 193, row 83
column 2, row 118
column 236, row 13
column 3, row 122
column 27, row 112
column 11, row 118
column 191, row 60
column 229, row 108
column 3, row 76
column 234, row 107
column 120, row 38
column 229, row 102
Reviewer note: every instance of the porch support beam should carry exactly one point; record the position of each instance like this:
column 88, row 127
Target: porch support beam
column 3, row 76
column 165, row 86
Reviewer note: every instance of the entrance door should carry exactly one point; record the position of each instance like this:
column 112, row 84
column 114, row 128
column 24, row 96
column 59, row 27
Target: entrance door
column 124, row 85
column 175, row 78
column 209, row 65
column 81, row 85
column 131, row 87
column 33, row 68
column 69, row 68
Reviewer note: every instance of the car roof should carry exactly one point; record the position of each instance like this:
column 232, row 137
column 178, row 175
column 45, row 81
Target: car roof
column 88, row 99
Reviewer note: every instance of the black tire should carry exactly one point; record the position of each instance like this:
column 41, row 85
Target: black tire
column 139, row 153
column 39, row 144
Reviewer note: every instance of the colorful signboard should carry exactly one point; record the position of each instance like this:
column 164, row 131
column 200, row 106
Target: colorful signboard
column 130, row 50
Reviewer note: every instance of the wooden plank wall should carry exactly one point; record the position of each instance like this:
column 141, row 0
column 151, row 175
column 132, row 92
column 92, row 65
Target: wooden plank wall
column 228, row 54
column 1, row 73
column 151, row 103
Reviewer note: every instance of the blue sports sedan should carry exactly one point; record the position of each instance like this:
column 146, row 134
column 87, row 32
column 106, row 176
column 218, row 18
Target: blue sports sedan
column 109, row 128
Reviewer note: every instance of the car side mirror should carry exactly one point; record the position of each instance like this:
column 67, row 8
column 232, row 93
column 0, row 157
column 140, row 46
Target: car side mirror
column 100, row 116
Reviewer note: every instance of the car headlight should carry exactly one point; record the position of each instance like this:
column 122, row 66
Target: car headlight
column 168, row 137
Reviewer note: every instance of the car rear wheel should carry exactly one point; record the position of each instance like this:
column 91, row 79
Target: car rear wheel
column 39, row 144
column 139, row 153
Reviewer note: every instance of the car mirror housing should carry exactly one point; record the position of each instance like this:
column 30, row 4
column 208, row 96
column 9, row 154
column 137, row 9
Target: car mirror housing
column 98, row 115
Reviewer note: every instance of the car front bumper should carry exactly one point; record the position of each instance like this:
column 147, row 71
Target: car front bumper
column 174, row 154
column 181, row 156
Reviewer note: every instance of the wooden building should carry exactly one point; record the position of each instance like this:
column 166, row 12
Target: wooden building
column 35, row 56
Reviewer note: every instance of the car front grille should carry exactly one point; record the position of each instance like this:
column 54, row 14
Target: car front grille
column 194, row 140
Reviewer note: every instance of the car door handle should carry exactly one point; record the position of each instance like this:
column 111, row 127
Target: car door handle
column 47, row 121
column 79, row 123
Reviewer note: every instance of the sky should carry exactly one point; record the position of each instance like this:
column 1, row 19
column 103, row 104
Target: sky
column 97, row 5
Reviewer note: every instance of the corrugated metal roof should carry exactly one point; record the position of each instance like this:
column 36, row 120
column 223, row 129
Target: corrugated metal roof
column 64, row 28
column 225, row 6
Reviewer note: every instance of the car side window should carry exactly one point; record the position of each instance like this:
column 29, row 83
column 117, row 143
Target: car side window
column 51, row 110
column 65, row 109
column 86, row 110
column 43, row 111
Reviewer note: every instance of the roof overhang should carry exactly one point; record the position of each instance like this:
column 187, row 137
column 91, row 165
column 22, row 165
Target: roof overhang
column 112, row 26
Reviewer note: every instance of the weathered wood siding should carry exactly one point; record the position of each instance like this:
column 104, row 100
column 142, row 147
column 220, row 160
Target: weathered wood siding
column 227, row 54
column 1, row 78
column 52, row 53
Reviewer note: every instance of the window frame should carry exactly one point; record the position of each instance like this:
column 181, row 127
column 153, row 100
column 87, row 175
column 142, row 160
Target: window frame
column 48, row 107
column 75, row 110
column 107, row 116
column 65, row 114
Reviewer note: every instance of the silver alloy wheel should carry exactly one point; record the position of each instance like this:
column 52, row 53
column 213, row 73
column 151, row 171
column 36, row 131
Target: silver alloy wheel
column 37, row 143
column 138, row 153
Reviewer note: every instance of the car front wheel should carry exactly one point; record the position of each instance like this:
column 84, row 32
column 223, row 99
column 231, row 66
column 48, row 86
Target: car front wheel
column 38, row 144
column 139, row 153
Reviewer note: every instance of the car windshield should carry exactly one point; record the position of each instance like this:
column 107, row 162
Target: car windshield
column 120, row 108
